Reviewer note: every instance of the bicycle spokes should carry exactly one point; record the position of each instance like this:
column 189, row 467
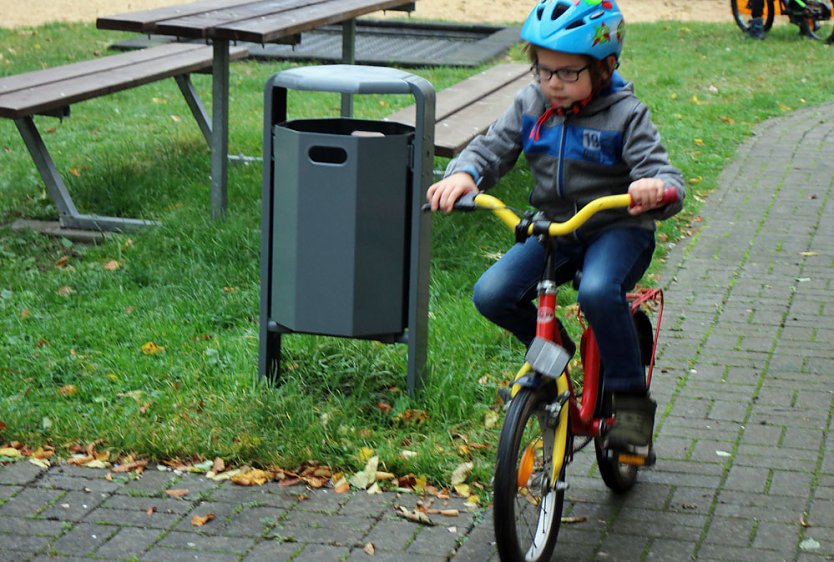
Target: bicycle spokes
column 535, row 497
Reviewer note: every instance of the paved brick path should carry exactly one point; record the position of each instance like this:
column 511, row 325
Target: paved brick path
column 746, row 451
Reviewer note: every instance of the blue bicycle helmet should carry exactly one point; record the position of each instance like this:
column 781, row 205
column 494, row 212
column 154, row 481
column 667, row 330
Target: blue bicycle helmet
column 579, row 27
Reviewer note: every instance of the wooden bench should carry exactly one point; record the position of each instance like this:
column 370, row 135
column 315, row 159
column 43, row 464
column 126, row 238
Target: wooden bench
column 52, row 91
column 468, row 108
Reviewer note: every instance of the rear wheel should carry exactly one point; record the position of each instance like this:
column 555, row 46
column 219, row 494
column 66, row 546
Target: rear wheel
column 617, row 476
column 528, row 507
column 741, row 14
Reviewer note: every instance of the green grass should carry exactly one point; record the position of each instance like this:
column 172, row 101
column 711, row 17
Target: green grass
column 191, row 286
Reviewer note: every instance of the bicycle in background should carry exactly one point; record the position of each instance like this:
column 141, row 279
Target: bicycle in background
column 806, row 14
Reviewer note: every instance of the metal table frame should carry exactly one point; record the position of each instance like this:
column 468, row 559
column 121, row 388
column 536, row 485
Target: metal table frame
column 68, row 215
column 221, row 37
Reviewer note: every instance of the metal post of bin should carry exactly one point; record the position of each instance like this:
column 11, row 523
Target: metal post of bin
column 353, row 79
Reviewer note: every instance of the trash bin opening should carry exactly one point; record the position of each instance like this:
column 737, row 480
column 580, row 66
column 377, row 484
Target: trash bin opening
column 348, row 127
column 333, row 155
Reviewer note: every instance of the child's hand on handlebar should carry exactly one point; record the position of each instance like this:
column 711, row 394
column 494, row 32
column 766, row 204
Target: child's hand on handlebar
column 443, row 194
column 646, row 194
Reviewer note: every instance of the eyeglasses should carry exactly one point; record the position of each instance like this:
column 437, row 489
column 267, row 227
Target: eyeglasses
column 565, row 74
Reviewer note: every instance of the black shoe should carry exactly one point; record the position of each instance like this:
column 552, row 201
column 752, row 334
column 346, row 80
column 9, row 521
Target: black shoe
column 756, row 29
column 633, row 421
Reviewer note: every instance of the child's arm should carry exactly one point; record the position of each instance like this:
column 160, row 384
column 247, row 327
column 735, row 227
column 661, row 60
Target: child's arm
column 486, row 158
column 443, row 194
column 651, row 170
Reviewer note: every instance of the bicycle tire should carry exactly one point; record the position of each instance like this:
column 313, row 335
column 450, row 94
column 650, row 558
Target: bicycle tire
column 527, row 518
column 619, row 478
column 742, row 17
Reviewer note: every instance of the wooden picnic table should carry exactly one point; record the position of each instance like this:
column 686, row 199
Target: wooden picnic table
column 259, row 21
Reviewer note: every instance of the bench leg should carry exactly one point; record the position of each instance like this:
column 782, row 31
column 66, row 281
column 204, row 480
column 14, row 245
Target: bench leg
column 195, row 104
column 68, row 215
column 219, row 128
column 198, row 110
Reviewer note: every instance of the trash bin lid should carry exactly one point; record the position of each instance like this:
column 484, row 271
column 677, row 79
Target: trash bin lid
column 347, row 79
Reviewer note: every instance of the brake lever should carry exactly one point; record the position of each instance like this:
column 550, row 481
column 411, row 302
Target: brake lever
column 466, row 202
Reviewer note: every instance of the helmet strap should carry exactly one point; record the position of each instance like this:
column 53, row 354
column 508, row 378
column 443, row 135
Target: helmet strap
column 572, row 109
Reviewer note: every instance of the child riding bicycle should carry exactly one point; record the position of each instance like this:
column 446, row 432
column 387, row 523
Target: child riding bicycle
column 584, row 134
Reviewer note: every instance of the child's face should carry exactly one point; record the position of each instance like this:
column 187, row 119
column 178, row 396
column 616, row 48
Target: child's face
column 559, row 92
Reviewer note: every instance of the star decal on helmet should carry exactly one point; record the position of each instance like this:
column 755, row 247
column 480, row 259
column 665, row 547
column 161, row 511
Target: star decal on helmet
column 602, row 35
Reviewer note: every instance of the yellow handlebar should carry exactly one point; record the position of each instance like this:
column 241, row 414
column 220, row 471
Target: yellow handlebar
column 511, row 219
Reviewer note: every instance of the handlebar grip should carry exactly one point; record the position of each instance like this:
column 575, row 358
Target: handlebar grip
column 465, row 203
column 670, row 195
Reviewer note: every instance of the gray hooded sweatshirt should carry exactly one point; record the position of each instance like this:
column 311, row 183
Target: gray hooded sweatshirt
column 577, row 157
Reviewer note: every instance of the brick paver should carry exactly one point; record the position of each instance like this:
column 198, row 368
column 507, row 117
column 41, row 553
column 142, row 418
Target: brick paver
column 744, row 439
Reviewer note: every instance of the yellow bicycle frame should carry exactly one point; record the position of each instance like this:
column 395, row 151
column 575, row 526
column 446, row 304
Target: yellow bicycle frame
column 560, row 442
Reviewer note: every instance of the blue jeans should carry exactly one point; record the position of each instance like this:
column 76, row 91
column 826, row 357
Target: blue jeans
column 612, row 263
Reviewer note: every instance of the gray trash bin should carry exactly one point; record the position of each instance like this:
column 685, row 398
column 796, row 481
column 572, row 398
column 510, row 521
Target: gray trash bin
column 340, row 226
column 344, row 246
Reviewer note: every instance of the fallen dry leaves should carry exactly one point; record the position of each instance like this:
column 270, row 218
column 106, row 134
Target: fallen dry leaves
column 372, row 479
column 200, row 520
column 134, row 466
column 415, row 417
column 253, row 477
column 9, row 452
column 151, row 348
column 414, row 515
column 68, row 390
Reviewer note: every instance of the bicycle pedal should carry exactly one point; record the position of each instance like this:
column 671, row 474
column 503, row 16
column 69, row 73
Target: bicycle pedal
column 634, row 456
column 636, row 460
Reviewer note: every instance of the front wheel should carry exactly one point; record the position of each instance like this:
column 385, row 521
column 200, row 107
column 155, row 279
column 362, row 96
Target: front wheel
column 741, row 14
column 528, row 505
